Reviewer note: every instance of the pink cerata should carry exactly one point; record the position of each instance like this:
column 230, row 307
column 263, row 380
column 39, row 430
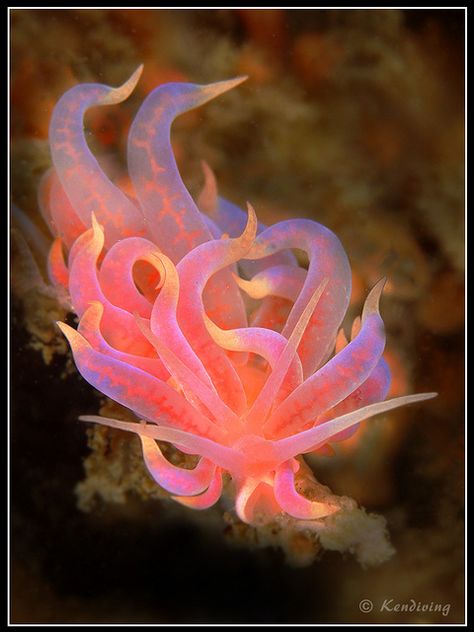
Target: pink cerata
column 161, row 287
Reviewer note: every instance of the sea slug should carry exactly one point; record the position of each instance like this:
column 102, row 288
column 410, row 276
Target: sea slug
column 161, row 287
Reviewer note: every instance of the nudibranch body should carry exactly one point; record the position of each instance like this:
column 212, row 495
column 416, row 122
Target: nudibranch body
column 159, row 284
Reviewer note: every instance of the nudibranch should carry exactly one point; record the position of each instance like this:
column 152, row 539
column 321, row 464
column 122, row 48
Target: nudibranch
column 162, row 287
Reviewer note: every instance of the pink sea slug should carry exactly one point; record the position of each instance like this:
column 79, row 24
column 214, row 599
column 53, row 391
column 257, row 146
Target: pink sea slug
column 160, row 291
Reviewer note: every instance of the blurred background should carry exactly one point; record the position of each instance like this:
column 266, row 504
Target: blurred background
column 354, row 118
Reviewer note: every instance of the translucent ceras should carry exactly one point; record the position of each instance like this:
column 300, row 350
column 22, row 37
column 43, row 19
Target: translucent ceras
column 161, row 286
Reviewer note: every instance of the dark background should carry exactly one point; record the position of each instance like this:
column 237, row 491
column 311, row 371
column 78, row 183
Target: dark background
column 354, row 118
